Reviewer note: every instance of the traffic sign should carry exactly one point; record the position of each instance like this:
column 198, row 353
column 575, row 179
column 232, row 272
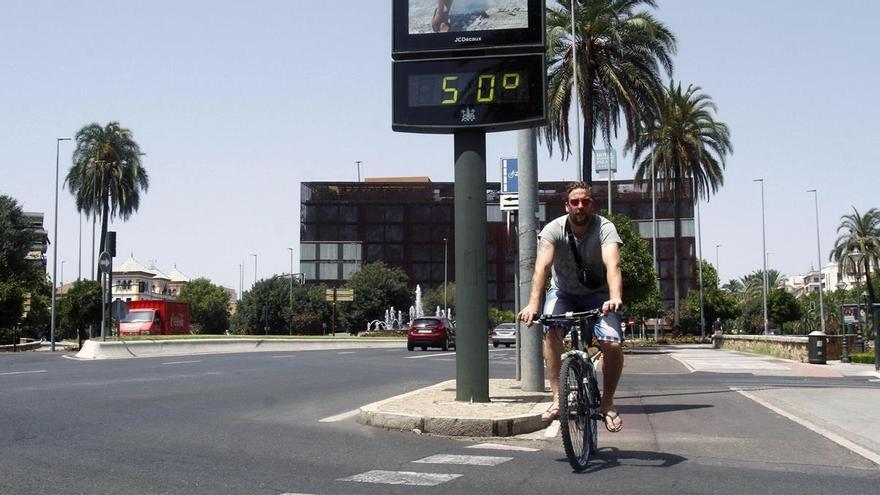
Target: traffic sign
column 339, row 295
column 104, row 262
column 509, row 175
column 509, row 202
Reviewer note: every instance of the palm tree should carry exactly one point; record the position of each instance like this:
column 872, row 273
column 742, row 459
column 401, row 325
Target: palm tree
column 685, row 143
column 619, row 55
column 862, row 234
column 107, row 176
column 753, row 283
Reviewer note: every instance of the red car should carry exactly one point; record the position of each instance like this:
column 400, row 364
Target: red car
column 430, row 331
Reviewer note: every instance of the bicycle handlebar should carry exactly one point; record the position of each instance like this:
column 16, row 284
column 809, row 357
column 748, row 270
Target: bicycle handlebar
column 570, row 316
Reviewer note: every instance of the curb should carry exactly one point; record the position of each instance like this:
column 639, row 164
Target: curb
column 373, row 415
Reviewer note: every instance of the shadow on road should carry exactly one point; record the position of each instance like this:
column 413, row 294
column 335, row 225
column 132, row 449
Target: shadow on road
column 611, row 457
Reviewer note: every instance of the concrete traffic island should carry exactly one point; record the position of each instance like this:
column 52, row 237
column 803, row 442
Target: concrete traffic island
column 97, row 349
column 434, row 410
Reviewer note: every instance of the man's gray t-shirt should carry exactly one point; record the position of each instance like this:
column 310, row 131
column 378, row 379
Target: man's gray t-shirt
column 600, row 233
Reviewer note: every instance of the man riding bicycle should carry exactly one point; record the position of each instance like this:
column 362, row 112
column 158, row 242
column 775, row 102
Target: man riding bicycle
column 582, row 250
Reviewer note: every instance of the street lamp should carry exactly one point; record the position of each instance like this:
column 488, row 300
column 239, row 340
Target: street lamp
column 717, row 264
column 290, row 315
column 255, row 268
column 841, row 285
column 55, row 244
column 819, row 266
column 763, row 253
column 445, row 271
column 358, row 162
column 62, row 273
column 577, row 104
column 855, row 256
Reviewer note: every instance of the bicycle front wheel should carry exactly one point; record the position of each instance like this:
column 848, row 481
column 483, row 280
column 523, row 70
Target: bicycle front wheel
column 576, row 425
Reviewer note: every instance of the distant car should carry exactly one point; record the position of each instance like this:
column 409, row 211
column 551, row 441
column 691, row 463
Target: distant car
column 430, row 331
column 504, row 333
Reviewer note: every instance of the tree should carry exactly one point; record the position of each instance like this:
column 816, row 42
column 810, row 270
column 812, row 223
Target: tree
column 753, row 283
column 81, row 307
column 637, row 268
column 267, row 309
column 782, row 307
column 208, row 306
column 860, row 233
column 684, row 141
column 21, row 280
column 620, row 53
column 377, row 287
column 433, row 298
column 107, row 176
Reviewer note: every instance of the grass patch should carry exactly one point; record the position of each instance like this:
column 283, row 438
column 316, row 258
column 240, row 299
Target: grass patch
column 862, row 357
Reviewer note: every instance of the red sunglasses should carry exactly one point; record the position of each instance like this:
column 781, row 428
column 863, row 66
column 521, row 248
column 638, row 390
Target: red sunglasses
column 575, row 202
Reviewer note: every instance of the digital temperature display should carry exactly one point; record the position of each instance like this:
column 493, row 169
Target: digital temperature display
column 494, row 93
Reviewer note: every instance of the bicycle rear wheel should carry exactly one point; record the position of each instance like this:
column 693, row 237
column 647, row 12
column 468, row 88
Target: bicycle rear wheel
column 575, row 421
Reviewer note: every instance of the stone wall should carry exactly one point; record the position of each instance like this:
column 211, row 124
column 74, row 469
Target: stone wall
column 794, row 348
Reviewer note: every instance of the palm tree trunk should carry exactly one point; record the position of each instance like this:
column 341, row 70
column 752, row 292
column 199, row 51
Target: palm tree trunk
column 587, row 107
column 105, row 210
column 871, row 295
column 676, row 272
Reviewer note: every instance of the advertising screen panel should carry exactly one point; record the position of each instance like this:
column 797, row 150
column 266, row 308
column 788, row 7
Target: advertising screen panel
column 436, row 27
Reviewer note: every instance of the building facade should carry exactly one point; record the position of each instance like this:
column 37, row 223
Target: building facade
column 133, row 281
column 410, row 223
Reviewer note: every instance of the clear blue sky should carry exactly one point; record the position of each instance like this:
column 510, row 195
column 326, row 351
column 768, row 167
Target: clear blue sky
column 236, row 103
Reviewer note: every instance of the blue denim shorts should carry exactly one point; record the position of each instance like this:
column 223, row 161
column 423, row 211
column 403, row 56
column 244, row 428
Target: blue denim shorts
column 606, row 328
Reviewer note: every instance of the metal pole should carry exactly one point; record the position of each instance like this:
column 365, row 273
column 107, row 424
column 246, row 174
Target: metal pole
column 764, row 254
column 700, row 262
column 255, row 269
column 472, row 353
column 290, row 315
column 577, row 104
column 654, row 239
column 55, row 247
column 359, row 169
column 608, row 150
column 531, row 356
column 819, row 266
column 514, row 239
column 717, row 263
column 445, row 273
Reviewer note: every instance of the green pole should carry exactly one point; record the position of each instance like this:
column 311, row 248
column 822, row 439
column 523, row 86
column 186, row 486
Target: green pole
column 472, row 307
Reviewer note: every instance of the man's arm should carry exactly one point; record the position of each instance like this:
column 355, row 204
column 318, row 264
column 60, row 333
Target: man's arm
column 611, row 259
column 543, row 261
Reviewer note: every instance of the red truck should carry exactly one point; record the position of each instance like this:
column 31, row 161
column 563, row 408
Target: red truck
column 155, row 318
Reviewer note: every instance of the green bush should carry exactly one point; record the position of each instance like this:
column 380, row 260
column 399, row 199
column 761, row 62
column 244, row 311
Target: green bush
column 862, row 357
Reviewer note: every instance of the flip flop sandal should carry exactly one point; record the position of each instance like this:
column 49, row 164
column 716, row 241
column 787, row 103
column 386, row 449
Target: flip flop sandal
column 550, row 415
column 440, row 20
column 611, row 416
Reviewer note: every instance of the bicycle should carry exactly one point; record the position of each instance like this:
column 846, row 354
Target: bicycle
column 580, row 401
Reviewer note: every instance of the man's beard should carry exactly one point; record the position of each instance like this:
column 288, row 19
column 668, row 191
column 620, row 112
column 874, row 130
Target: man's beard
column 579, row 219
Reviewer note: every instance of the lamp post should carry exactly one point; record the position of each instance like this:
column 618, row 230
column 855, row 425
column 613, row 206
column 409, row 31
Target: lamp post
column 255, row 268
column 819, row 259
column 62, row 273
column 841, row 285
column 763, row 253
column 717, row 264
column 290, row 307
column 55, row 244
column 445, row 272
column 240, row 279
column 358, row 162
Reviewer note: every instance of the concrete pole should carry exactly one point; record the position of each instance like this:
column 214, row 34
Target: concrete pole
column 532, row 359
column 472, row 306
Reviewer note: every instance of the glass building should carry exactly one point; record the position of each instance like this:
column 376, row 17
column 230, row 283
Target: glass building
column 409, row 222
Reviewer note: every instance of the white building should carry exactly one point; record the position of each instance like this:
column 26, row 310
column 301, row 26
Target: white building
column 830, row 276
column 132, row 281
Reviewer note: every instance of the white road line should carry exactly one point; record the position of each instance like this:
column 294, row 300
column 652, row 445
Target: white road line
column 498, row 446
column 402, row 478
column 346, row 352
column 339, row 417
column 843, row 442
column 430, row 355
column 552, row 430
column 183, row 362
column 464, row 460
column 284, row 357
column 23, row 372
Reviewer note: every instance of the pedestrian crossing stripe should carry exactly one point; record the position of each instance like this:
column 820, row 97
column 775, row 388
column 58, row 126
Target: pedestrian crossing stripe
column 498, row 446
column 464, row 460
column 402, row 478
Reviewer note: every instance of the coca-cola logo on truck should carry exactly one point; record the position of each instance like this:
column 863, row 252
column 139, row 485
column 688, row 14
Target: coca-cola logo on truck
column 177, row 321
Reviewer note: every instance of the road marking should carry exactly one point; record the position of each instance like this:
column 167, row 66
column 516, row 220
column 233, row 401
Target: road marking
column 430, row 355
column 23, row 372
column 183, row 362
column 346, row 352
column 552, row 430
column 284, row 357
column 498, row 446
column 464, row 460
column 402, row 478
column 340, row 417
column 843, row 442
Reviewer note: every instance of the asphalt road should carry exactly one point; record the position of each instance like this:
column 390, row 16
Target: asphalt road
column 274, row 423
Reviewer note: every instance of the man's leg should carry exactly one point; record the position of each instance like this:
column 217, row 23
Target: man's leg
column 612, row 368
column 553, row 358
